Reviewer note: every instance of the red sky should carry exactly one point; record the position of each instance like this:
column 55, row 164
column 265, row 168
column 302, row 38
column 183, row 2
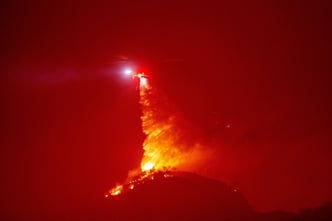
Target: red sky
column 71, row 124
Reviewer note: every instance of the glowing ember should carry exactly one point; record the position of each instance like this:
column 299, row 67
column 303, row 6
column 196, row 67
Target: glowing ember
column 116, row 190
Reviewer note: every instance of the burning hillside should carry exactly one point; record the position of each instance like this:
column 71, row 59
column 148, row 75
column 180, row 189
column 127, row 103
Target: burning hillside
column 164, row 149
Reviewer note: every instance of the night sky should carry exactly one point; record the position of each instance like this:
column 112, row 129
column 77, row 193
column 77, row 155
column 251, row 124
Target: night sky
column 252, row 79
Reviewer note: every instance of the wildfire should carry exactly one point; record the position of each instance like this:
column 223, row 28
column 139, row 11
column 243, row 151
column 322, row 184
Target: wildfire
column 143, row 177
column 163, row 149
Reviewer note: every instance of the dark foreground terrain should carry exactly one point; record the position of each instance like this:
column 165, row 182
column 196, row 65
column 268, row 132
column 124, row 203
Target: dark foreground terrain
column 181, row 196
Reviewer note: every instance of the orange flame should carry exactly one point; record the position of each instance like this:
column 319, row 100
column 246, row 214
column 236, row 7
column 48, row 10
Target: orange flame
column 116, row 190
column 159, row 150
column 163, row 146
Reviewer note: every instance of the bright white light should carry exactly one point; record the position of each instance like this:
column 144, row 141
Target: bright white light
column 128, row 71
column 143, row 84
column 148, row 166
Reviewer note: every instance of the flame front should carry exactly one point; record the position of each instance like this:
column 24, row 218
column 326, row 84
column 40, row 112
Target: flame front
column 162, row 149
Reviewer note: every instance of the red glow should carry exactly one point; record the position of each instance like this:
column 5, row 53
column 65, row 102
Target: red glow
column 70, row 127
